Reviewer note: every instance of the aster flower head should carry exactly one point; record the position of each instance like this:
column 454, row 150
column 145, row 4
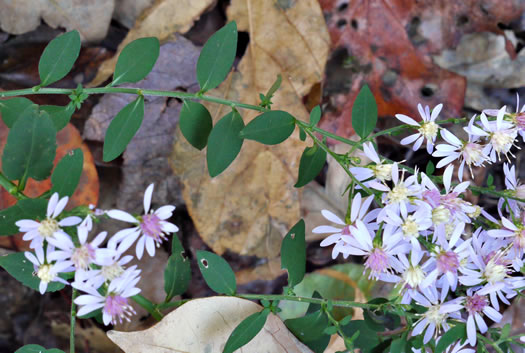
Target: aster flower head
column 427, row 128
column 501, row 136
column 38, row 232
column 151, row 229
column 380, row 171
column 45, row 269
column 115, row 303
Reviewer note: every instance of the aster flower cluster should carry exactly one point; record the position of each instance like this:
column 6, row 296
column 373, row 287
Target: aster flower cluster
column 101, row 273
column 441, row 251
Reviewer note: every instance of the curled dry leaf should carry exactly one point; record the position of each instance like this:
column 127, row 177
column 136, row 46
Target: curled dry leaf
column 161, row 20
column 251, row 206
column 87, row 190
column 204, row 325
column 91, row 18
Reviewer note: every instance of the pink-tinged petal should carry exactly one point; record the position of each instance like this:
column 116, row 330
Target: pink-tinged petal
column 150, row 246
column 429, row 333
column 409, row 139
column 140, row 247
column 471, row 331
column 70, row 221
column 326, row 229
column 419, row 327
column 32, row 258
column 168, row 227
column 42, row 287
column 436, row 111
column 165, row 212
column 52, row 204
column 493, row 314
column 122, row 216
column 147, row 198
column 407, row 120
column 332, row 217
column 27, row 224
column 60, row 206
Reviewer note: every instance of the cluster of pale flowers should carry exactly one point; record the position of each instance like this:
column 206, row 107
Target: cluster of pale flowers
column 429, row 240
column 100, row 273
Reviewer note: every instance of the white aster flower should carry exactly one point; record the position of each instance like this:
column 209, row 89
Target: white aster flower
column 501, row 136
column 380, row 171
column 150, row 229
column 46, row 271
column 37, row 232
column 427, row 129
column 115, row 305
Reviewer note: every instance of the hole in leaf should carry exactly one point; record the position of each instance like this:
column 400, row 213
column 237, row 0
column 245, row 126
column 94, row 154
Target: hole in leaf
column 183, row 255
column 204, row 263
column 341, row 23
column 354, row 24
column 292, row 235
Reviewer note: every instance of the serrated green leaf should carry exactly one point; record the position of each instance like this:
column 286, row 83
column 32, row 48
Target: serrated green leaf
column 224, row 143
column 60, row 115
column 22, row 270
column 195, row 123
column 246, row 331
column 58, row 58
column 429, row 170
column 364, row 112
column 217, row 272
column 11, row 109
column 315, row 115
column 177, row 274
column 136, row 60
column 457, row 332
column 23, row 209
column 293, row 253
column 67, row 173
column 270, row 128
column 309, row 327
column 122, row 129
column 216, row 57
column 30, row 148
column 311, row 163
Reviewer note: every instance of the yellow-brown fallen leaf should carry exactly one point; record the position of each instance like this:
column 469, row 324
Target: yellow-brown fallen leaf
column 248, row 208
column 204, row 325
column 163, row 19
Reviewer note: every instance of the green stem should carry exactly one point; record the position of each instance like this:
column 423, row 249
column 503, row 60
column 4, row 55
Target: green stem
column 136, row 91
column 493, row 344
column 148, row 305
column 338, row 303
column 11, row 188
column 73, row 321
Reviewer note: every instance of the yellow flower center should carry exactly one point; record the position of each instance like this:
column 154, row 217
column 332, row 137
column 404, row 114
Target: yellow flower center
column 45, row 274
column 429, row 130
column 47, row 227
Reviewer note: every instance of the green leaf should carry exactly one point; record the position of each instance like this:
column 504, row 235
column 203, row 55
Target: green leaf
column 367, row 338
column 23, row 209
column 398, row 345
column 315, row 115
column 22, row 270
column 177, row 274
column 302, row 134
column 311, row 164
column 67, row 173
column 35, row 348
column 11, row 109
column 457, row 332
column 490, row 180
column 136, row 60
column 217, row 56
column 217, row 272
column 58, row 57
column 60, row 115
column 364, row 112
column 309, row 327
column 195, row 123
column 122, row 129
column 246, row 331
column 330, row 330
column 274, row 87
column 293, row 253
column 30, row 147
column 224, row 143
column 270, row 128
column 429, row 170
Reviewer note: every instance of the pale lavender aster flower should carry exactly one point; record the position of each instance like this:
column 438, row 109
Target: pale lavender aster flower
column 150, row 229
column 37, row 232
column 427, row 129
column 46, row 271
column 380, row 171
column 501, row 136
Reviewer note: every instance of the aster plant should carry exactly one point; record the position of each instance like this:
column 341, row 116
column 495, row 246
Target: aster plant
column 454, row 265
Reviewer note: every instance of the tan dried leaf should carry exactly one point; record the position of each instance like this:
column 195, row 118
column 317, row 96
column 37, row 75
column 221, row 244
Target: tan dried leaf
column 204, row 325
column 163, row 19
column 249, row 207
column 91, row 18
